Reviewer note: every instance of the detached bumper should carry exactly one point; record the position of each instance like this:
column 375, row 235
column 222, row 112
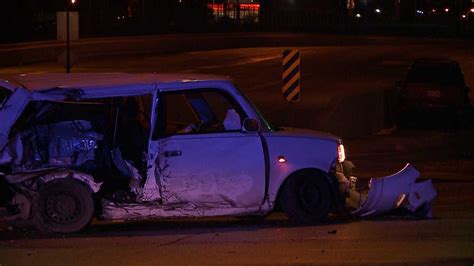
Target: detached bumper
column 397, row 191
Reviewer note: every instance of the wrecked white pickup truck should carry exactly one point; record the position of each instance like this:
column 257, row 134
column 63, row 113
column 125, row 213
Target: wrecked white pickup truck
column 138, row 146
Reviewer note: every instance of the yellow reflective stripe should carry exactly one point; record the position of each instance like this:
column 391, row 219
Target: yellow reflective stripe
column 291, row 68
column 293, row 80
column 295, row 91
column 288, row 58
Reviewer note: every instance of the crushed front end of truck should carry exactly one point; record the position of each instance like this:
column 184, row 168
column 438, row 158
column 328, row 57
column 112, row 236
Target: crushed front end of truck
column 401, row 193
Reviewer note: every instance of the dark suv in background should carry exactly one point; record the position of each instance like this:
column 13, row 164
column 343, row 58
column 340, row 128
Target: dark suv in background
column 434, row 90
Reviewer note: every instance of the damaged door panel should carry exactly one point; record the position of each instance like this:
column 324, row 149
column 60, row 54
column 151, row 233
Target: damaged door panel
column 156, row 146
column 204, row 157
column 211, row 171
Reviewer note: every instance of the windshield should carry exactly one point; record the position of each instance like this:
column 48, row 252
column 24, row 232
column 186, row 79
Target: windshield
column 443, row 74
column 4, row 94
column 267, row 124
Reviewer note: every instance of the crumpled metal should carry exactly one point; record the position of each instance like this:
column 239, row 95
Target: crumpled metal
column 399, row 190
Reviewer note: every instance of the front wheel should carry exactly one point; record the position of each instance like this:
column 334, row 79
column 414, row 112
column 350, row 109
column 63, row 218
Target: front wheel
column 306, row 198
column 63, row 206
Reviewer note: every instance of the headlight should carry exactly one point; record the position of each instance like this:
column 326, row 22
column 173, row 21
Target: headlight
column 341, row 153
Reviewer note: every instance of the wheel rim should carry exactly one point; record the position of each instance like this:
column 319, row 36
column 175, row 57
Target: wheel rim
column 310, row 197
column 63, row 208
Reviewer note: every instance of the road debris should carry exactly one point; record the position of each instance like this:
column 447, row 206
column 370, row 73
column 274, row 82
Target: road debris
column 389, row 193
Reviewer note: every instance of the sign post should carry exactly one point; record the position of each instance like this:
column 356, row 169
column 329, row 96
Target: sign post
column 291, row 77
column 68, row 40
column 291, row 66
column 68, row 30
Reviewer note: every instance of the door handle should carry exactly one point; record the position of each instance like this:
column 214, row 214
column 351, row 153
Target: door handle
column 173, row 153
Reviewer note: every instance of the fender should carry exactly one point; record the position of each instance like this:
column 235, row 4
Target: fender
column 46, row 176
column 337, row 199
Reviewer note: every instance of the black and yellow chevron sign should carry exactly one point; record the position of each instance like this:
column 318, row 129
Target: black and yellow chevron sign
column 291, row 75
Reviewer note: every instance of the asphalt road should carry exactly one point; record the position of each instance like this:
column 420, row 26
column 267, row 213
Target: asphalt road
column 337, row 83
column 342, row 86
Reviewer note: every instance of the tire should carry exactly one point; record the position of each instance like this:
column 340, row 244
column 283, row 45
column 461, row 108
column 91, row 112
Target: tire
column 63, row 206
column 306, row 198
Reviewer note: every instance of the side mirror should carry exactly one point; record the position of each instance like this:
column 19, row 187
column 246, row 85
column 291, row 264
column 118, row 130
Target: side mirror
column 251, row 125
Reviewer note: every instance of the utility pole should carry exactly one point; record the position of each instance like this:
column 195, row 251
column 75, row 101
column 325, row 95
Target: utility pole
column 238, row 12
column 225, row 8
column 68, row 41
column 68, row 37
column 142, row 13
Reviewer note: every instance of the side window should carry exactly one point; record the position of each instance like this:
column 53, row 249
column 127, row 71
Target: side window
column 198, row 112
column 446, row 74
column 144, row 104
column 178, row 114
column 4, row 94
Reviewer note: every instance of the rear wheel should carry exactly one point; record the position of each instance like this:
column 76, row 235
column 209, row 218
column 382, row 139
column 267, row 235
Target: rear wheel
column 63, row 206
column 306, row 198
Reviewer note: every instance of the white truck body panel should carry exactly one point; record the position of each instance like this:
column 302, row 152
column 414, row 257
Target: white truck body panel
column 225, row 173
column 221, row 169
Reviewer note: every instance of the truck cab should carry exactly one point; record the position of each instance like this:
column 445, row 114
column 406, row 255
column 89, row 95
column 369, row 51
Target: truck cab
column 143, row 146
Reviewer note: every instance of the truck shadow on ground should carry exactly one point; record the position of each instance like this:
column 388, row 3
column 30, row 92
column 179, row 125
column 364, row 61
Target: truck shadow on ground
column 198, row 226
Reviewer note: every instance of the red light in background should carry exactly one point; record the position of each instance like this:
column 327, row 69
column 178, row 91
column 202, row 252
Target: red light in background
column 220, row 7
column 253, row 6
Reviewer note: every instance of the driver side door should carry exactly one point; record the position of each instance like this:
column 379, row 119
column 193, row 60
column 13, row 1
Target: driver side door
column 203, row 156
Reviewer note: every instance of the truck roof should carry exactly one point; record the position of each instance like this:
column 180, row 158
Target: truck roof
column 39, row 82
